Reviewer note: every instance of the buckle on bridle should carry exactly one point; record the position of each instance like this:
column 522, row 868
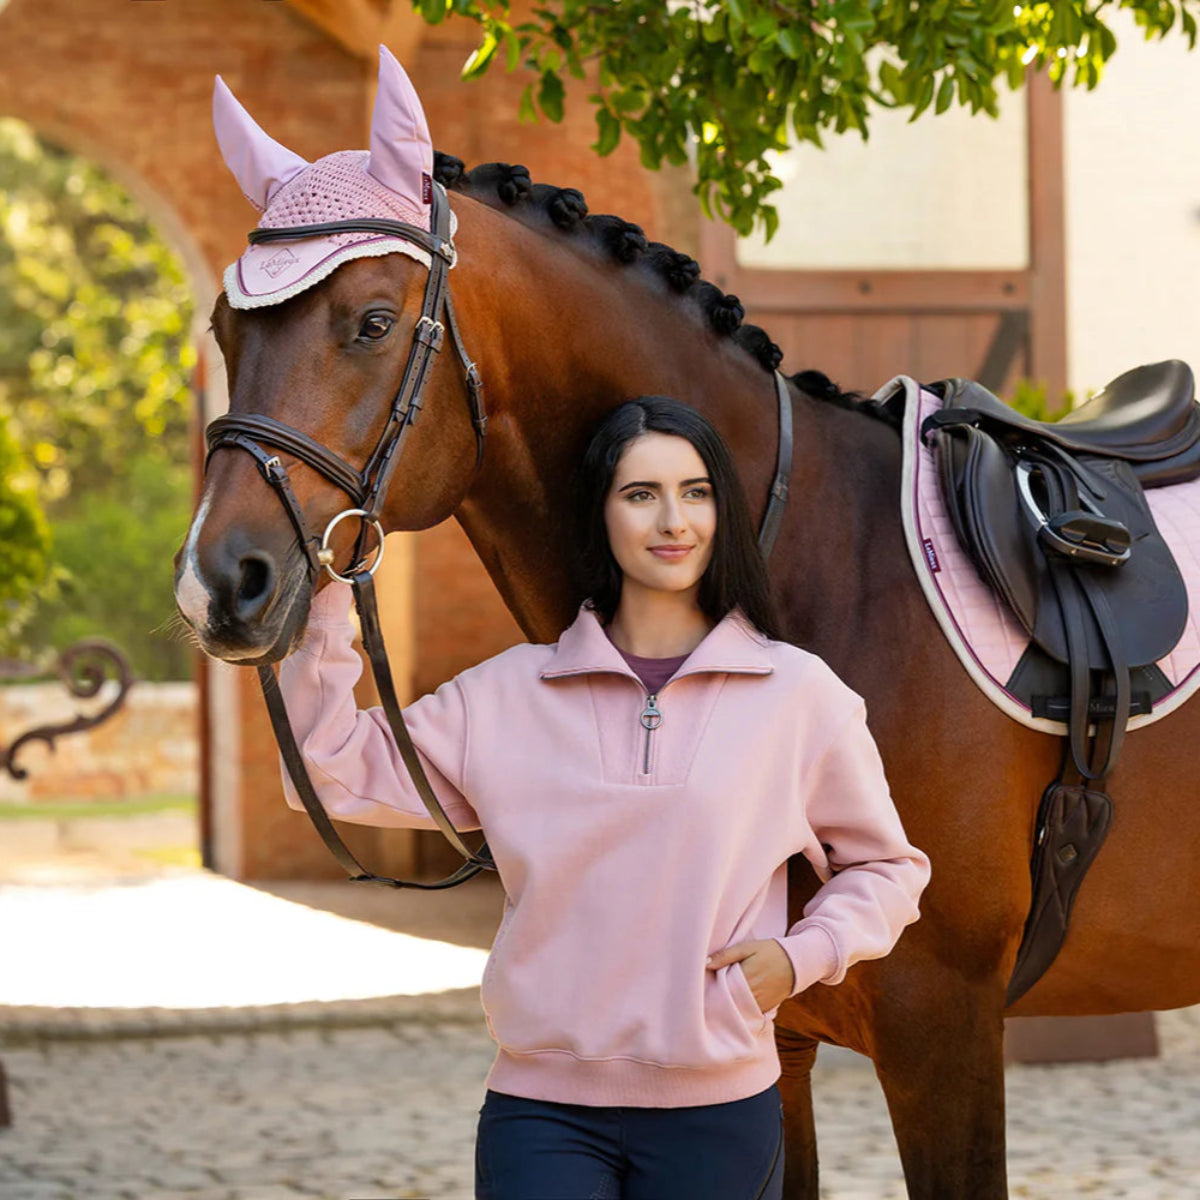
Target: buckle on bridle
column 435, row 336
column 325, row 553
column 273, row 470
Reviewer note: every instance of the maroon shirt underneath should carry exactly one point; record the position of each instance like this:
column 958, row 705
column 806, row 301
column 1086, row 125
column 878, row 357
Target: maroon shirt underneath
column 653, row 672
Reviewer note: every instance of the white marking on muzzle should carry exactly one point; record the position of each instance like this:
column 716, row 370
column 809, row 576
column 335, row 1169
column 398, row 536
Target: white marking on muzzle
column 191, row 595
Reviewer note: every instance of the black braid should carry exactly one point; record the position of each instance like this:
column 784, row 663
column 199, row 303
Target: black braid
column 624, row 240
column 447, row 170
column 755, row 340
column 679, row 270
column 565, row 207
column 509, row 188
column 724, row 311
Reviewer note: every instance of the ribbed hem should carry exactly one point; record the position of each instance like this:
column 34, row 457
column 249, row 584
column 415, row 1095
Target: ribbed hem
column 562, row 1078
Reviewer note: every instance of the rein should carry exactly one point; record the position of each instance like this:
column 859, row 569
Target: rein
column 367, row 489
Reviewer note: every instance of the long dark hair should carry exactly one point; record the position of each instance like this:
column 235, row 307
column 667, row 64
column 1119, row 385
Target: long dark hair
column 736, row 575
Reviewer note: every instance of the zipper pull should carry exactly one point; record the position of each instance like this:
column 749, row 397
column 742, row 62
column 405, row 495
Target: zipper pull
column 651, row 719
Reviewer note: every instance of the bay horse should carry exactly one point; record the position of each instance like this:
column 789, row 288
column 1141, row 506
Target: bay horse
column 568, row 315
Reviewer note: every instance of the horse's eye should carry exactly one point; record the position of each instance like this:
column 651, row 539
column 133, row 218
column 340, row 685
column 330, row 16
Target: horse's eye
column 376, row 326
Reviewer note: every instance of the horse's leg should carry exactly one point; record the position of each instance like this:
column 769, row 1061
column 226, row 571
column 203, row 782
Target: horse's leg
column 797, row 1053
column 939, row 1055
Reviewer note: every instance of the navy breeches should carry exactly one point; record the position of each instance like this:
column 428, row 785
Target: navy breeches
column 541, row 1150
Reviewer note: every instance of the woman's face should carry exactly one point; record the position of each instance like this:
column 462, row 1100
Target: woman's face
column 660, row 513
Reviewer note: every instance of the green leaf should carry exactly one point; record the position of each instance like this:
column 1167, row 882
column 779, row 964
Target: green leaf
column 789, row 42
column 526, row 112
column 512, row 47
column 550, row 96
column 609, row 132
column 480, row 57
column 924, row 96
column 763, row 25
column 770, row 219
column 434, row 11
column 945, row 94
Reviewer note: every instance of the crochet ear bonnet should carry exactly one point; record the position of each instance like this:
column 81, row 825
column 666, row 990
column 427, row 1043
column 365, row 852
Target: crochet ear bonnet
column 393, row 180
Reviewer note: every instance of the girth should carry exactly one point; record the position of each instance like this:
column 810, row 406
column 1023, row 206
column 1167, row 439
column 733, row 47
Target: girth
column 367, row 489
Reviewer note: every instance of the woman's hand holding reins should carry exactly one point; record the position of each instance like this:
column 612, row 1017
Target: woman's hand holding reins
column 766, row 966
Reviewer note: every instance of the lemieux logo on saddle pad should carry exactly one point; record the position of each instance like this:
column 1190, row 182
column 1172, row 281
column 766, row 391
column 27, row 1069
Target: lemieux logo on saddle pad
column 987, row 638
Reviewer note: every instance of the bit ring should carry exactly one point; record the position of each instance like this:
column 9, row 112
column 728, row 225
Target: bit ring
column 325, row 554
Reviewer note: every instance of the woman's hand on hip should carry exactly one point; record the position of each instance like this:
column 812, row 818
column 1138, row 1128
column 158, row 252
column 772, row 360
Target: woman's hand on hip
column 766, row 966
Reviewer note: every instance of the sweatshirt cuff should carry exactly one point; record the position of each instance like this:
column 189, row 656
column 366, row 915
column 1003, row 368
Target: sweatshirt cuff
column 814, row 957
column 331, row 605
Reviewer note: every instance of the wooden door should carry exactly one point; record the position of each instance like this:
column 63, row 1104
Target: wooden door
column 861, row 327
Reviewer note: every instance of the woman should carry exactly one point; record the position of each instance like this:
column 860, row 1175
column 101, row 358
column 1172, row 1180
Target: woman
column 641, row 784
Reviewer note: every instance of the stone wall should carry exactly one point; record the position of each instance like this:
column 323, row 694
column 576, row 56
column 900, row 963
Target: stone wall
column 150, row 747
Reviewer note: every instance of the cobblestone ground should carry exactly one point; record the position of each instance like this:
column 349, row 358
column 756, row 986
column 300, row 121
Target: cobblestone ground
column 390, row 1113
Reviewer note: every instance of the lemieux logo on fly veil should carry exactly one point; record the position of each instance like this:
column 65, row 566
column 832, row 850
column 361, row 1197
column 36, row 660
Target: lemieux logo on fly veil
column 283, row 261
column 931, row 555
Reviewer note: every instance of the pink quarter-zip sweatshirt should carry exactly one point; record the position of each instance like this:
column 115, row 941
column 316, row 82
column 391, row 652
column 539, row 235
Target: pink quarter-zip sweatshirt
column 630, row 854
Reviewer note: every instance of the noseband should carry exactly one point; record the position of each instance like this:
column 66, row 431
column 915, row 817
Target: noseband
column 367, row 489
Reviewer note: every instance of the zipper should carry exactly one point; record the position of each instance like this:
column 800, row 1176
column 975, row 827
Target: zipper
column 651, row 719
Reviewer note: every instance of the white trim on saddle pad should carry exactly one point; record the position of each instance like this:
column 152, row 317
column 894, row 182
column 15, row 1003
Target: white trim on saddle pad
column 985, row 635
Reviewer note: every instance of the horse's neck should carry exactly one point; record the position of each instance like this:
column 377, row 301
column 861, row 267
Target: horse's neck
column 840, row 537
column 840, row 568
column 596, row 341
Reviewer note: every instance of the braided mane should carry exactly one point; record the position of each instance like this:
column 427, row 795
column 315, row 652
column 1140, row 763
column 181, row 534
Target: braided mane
column 508, row 188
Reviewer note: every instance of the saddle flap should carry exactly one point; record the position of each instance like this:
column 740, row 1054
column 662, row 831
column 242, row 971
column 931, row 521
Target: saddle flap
column 1146, row 594
column 1107, row 535
column 981, row 494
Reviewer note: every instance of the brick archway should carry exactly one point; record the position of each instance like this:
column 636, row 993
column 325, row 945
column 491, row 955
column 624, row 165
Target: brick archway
column 130, row 87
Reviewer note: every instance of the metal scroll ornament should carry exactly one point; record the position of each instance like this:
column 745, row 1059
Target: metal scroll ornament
column 83, row 668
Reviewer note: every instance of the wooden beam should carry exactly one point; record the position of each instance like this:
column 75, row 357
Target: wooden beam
column 1047, row 238
column 401, row 29
column 358, row 26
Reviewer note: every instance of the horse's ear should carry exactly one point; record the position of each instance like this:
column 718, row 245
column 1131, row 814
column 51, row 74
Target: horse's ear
column 259, row 163
column 401, row 148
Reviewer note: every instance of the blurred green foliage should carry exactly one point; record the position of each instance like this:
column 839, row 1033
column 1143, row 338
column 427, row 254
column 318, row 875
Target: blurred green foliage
column 95, row 357
column 1033, row 399
column 725, row 82
column 24, row 537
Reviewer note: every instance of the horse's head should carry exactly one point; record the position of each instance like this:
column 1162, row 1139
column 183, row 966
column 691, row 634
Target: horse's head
column 316, row 329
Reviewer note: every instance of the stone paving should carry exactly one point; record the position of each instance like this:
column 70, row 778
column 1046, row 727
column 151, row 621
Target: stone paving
column 378, row 1113
column 365, row 1098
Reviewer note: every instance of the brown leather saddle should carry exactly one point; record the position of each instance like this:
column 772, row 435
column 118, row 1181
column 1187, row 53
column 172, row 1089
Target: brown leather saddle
column 1054, row 518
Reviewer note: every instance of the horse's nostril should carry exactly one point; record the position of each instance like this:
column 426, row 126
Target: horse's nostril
column 255, row 585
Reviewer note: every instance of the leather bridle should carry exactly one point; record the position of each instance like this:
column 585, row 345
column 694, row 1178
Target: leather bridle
column 368, row 488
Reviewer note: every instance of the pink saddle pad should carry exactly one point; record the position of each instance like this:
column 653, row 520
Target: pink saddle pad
column 985, row 635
